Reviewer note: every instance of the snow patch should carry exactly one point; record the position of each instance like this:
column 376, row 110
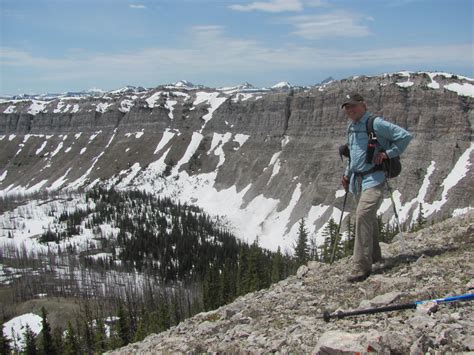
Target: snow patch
column 59, row 107
column 92, row 137
column 15, row 328
column 102, row 107
column 464, row 89
column 433, row 84
column 462, row 211
column 241, row 139
column 192, row 147
column 40, row 149
column 151, row 101
column 58, row 148
column 126, row 105
column 131, row 173
column 459, row 171
column 10, row 109
column 214, row 101
column 218, row 141
column 83, row 179
column 37, row 107
column 284, row 141
column 167, row 136
column 406, row 84
column 170, row 107
column 60, row 182
column 242, row 97
column 137, row 134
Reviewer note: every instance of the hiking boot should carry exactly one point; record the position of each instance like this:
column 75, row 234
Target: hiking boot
column 358, row 276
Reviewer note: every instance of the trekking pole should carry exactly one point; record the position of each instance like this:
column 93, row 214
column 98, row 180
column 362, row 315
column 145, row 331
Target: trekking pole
column 333, row 254
column 343, row 152
column 390, row 192
column 327, row 315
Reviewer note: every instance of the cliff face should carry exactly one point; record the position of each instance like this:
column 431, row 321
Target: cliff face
column 435, row 263
column 269, row 156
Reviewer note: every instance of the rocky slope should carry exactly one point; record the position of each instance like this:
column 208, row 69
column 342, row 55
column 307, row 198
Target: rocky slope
column 271, row 155
column 435, row 262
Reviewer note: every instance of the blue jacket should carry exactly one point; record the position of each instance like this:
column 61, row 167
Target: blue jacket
column 392, row 138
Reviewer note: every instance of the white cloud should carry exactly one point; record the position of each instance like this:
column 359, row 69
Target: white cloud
column 212, row 54
column 335, row 24
column 137, row 6
column 271, row 6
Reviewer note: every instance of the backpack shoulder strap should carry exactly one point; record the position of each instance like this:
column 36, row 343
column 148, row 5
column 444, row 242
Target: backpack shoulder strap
column 369, row 125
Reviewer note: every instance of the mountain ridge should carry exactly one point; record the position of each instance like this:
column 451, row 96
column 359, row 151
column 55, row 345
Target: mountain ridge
column 272, row 155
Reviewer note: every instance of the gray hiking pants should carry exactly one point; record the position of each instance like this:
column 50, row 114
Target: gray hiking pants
column 366, row 246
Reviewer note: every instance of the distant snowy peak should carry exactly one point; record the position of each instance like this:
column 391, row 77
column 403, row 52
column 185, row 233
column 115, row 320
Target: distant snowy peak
column 128, row 90
column 94, row 91
column 462, row 85
column 328, row 80
column 282, row 85
column 184, row 84
column 245, row 87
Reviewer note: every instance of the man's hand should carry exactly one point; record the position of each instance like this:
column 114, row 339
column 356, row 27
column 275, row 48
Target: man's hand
column 345, row 182
column 379, row 158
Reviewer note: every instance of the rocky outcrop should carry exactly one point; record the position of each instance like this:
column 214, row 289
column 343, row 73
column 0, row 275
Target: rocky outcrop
column 273, row 148
column 435, row 262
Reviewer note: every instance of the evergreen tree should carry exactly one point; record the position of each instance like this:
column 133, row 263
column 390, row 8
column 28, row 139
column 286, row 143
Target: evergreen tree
column 87, row 336
column 386, row 231
column 254, row 267
column 30, row 341
column 123, row 325
column 350, row 240
column 225, row 291
column 242, row 271
column 164, row 319
column 420, row 219
column 277, row 266
column 4, row 343
column 330, row 238
column 71, row 343
column 143, row 323
column 100, row 340
column 58, row 340
column 47, row 345
column 313, row 248
column 301, row 248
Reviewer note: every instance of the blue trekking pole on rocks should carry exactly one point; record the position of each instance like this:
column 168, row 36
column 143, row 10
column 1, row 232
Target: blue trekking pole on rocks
column 413, row 305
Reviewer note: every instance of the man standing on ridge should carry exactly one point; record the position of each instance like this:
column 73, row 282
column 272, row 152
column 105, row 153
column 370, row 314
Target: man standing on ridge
column 365, row 179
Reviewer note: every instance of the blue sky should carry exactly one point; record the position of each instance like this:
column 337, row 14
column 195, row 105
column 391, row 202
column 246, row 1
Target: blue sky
column 65, row 45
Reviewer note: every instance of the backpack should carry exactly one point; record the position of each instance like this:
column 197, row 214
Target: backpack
column 391, row 166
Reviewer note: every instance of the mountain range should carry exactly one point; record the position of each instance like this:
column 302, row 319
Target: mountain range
column 263, row 159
